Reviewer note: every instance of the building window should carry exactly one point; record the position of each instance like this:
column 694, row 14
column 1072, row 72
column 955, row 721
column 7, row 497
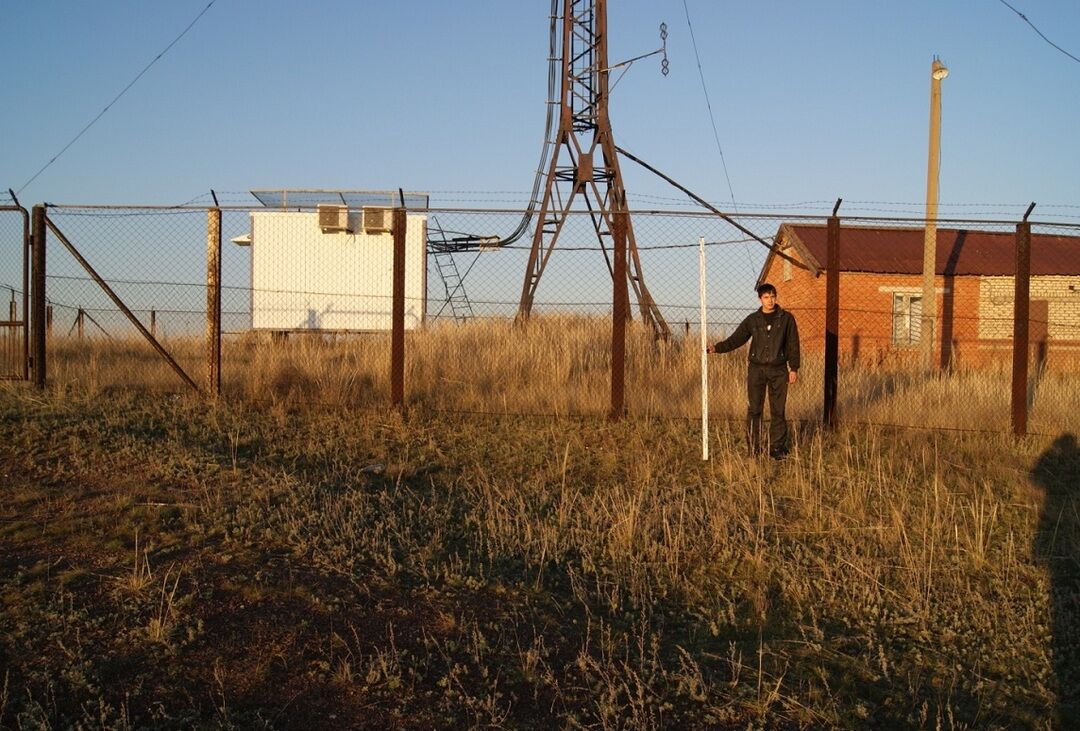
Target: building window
column 906, row 318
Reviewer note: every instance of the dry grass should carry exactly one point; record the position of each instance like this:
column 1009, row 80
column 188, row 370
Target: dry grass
column 315, row 563
column 555, row 366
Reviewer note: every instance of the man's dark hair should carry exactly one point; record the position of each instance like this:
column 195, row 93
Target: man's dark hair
column 766, row 289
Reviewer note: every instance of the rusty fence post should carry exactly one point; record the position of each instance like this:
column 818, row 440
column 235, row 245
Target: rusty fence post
column 79, row 323
column 832, row 322
column 27, row 254
column 397, row 315
column 37, row 294
column 213, row 302
column 619, row 311
column 153, row 323
column 1021, row 307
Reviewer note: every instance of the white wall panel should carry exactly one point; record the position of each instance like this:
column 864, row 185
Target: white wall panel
column 304, row 279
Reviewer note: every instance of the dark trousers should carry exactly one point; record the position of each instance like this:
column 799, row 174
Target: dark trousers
column 760, row 379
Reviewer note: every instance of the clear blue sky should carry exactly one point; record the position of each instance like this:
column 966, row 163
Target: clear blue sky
column 812, row 100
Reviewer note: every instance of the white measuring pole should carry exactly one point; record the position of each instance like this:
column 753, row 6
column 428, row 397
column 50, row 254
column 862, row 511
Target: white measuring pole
column 704, row 356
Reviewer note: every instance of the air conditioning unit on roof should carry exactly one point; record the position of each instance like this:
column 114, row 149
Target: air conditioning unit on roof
column 333, row 218
column 378, row 219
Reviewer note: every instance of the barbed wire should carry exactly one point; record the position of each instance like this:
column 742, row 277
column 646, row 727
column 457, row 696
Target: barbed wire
column 772, row 210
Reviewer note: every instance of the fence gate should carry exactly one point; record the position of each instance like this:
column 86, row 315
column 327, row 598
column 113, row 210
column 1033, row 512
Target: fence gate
column 111, row 294
column 14, row 263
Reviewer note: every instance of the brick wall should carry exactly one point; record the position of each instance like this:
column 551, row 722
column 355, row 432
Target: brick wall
column 974, row 316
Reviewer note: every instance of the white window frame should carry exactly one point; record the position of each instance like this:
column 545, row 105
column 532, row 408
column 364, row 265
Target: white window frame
column 906, row 318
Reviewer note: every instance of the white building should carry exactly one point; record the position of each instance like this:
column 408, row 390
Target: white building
column 331, row 269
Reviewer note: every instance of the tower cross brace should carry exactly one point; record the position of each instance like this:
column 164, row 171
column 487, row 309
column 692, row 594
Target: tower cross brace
column 576, row 169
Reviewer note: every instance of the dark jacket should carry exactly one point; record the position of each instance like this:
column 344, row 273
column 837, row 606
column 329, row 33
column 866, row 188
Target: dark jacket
column 767, row 347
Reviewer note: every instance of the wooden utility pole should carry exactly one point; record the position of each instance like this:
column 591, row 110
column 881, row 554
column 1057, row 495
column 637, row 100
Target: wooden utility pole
column 929, row 298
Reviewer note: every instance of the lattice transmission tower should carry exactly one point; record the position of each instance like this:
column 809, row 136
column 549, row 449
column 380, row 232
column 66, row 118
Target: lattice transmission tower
column 584, row 167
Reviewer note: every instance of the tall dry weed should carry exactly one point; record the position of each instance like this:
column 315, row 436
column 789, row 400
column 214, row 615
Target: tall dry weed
column 555, row 365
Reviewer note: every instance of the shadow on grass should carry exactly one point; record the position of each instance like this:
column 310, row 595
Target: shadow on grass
column 1057, row 544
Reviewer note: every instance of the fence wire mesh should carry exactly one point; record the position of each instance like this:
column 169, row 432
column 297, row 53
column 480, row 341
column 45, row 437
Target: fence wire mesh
column 13, row 275
column 307, row 295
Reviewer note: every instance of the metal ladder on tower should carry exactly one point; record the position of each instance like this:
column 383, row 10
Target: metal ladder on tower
column 456, row 298
column 459, row 303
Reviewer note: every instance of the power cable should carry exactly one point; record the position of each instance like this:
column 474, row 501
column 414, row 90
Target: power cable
column 116, row 98
column 712, row 119
column 1025, row 19
column 708, row 104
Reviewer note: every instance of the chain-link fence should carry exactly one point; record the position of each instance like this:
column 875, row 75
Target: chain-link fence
column 498, row 323
column 14, row 274
column 138, row 267
column 949, row 366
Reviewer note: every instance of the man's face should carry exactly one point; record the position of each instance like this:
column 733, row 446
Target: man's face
column 768, row 301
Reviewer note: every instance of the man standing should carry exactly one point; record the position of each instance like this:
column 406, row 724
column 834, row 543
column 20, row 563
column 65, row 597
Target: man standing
column 774, row 363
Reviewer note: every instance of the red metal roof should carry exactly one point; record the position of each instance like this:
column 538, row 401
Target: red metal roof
column 959, row 251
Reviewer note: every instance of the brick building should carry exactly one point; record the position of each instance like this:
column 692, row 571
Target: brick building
column 881, row 292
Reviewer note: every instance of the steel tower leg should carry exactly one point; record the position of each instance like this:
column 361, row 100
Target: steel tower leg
column 584, row 127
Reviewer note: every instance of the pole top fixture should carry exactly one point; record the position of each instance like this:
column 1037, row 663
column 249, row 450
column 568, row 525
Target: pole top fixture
column 938, row 71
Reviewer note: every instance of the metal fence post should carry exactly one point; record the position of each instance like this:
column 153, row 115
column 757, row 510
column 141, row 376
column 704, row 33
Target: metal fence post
column 27, row 254
column 832, row 321
column 37, row 294
column 213, row 302
column 619, row 310
column 1021, row 307
column 397, row 335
